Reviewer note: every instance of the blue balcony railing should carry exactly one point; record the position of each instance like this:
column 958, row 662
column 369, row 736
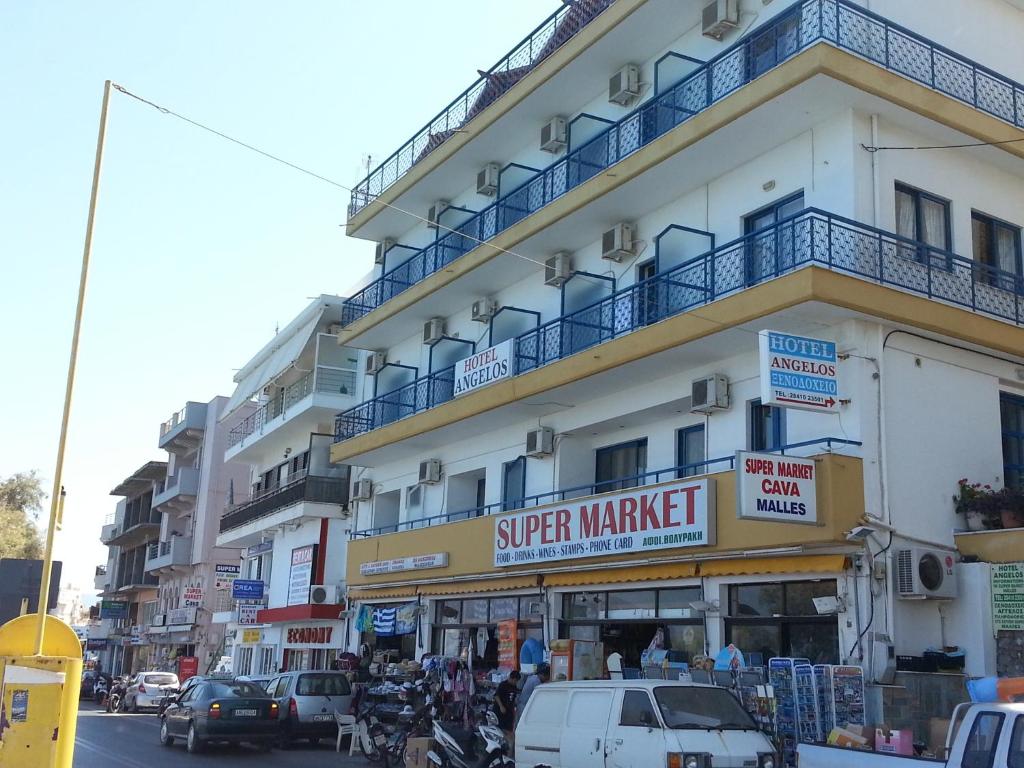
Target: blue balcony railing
column 811, row 237
column 724, row 464
column 837, row 22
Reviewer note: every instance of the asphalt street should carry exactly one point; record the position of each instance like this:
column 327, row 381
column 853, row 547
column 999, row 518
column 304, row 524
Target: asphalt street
column 129, row 741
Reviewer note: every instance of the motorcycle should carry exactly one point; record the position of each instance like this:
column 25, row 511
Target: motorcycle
column 100, row 690
column 115, row 698
column 486, row 747
column 373, row 738
column 170, row 693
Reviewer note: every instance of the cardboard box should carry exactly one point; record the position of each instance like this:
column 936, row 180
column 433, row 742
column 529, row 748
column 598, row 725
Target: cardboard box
column 894, row 742
column 416, row 752
column 847, row 737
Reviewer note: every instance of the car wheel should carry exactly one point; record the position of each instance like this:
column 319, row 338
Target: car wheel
column 165, row 735
column 192, row 741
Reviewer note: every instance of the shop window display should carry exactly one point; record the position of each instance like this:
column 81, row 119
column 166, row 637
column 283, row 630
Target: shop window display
column 779, row 619
column 473, row 623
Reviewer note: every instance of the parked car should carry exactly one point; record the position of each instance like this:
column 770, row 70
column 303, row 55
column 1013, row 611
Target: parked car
column 307, row 702
column 260, row 680
column 147, row 689
column 601, row 723
column 221, row 711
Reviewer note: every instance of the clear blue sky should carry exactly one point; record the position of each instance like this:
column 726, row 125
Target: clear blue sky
column 201, row 248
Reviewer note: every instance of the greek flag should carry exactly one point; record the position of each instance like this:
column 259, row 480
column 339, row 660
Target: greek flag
column 384, row 620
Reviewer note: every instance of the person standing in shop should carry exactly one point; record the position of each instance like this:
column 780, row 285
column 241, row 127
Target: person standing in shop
column 505, row 705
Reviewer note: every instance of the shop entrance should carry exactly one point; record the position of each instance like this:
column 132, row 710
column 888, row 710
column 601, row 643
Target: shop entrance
column 473, row 623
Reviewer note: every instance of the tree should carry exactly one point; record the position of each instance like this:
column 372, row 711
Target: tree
column 21, row 498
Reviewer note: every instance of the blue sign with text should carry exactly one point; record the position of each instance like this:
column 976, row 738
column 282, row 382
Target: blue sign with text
column 799, row 372
column 246, row 589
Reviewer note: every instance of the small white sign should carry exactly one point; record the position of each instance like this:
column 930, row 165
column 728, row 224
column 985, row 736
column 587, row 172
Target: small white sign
column 224, row 576
column 776, row 488
column 192, row 597
column 486, row 367
column 798, row 372
column 247, row 614
column 417, row 563
column 300, row 575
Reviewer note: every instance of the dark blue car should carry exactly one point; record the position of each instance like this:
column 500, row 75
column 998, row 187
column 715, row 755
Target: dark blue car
column 221, row 711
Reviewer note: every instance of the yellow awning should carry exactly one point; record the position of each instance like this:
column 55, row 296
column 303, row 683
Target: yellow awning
column 617, row 575
column 479, row 585
column 744, row 566
column 367, row 592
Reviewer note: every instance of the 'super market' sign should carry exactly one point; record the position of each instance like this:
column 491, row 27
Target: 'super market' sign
column 776, row 488
column 486, row 367
column 798, row 372
column 679, row 514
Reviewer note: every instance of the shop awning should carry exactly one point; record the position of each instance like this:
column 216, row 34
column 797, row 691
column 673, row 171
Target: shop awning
column 479, row 585
column 369, row 593
column 617, row 575
column 743, row 566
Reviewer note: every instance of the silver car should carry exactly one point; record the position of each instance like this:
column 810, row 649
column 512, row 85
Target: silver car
column 147, row 689
column 307, row 701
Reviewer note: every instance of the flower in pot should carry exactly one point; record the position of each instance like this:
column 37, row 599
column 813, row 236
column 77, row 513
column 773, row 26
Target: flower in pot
column 974, row 502
column 1008, row 503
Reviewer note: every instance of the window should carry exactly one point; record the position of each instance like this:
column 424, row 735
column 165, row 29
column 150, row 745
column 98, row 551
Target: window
column 1015, row 758
column 690, row 450
column 282, row 688
column 923, row 218
column 513, row 483
column 779, row 619
column 780, row 41
column 619, row 466
column 767, row 427
column 637, row 710
column 997, row 247
column 647, row 308
column 1011, row 410
column 980, row 750
column 770, row 246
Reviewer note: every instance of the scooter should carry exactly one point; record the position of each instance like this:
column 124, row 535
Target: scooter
column 100, row 691
column 486, row 747
column 115, row 699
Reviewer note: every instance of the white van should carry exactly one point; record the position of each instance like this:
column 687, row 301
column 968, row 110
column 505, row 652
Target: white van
column 638, row 724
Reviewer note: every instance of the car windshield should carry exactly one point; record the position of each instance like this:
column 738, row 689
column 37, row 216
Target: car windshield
column 236, row 690
column 685, row 706
column 323, row 685
column 164, row 678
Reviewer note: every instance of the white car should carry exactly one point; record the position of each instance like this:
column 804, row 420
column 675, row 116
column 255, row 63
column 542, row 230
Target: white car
column 147, row 689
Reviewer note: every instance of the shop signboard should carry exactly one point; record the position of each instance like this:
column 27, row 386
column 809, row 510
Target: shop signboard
column 776, row 488
column 259, row 549
column 508, row 642
column 113, row 609
column 247, row 589
column 485, row 367
column 224, row 576
column 311, row 635
column 798, row 372
column 300, row 575
column 247, row 614
column 96, row 644
column 667, row 516
column 398, row 564
column 177, row 617
column 188, row 666
column 1007, row 596
column 192, row 596
column 251, row 636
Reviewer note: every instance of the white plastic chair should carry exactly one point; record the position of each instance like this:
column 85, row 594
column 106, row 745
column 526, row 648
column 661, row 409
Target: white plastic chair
column 346, row 727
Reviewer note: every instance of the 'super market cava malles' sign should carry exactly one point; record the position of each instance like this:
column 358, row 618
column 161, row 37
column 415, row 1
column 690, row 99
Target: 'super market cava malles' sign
column 486, row 367
column 679, row 514
column 776, row 488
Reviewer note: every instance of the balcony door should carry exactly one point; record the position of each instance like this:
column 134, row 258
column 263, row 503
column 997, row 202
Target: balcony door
column 770, row 247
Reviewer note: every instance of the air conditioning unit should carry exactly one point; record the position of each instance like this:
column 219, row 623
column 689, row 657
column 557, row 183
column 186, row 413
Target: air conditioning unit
column 557, row 269
column 483, row 310
column 430, row 471
column 923, row 573
column 335, row 328
column 375, row 361
column 709, row 394
column 624, row 85
column 362, row 490
column 435, row 211
column 325, row 594
column 382, row 248
column 433, row 330
column 719, row 17
column 554, row 135
column 540, row 442
column 617, row 242
column 487, row 180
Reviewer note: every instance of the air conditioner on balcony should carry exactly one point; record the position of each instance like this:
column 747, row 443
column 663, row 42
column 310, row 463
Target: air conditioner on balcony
column 624, row 85
column 430, row 472
column 487, row 180
column 719, row 17
column 433, row 330
column 483, row 310
column 325, row 594
column 709, row 394
column 362, row 490
column 923, row 573
column 435, row 211
column 381, row 250
column 617, row 242
column 375, row 361
column 540, row 442
column 554, row 135
column 557, row 269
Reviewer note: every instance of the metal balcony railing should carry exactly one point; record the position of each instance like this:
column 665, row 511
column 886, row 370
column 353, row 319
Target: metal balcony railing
column 300, row 487
column 723, row 464
column 553, row 32
column 836, row 22
column 811, row 237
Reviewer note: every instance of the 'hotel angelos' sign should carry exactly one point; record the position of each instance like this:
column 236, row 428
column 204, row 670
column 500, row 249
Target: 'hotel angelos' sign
column 483, row 368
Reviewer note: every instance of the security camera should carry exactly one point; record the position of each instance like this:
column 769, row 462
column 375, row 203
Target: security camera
column 861, row 533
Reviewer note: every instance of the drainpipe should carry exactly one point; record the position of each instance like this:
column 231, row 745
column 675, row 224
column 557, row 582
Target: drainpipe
column 876, row 191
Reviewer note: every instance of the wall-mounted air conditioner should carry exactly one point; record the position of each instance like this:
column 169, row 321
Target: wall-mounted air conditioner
column 483, row 310
column 362, row 490
column 375, row 361
column 435, row 211
column 624, row 85
column 430, row 471
column 719, row 17
column 487, row 180
column 433, row 330
column 554, row 136
column 557, row 269
column 382, row 249
column 923, row 573
column 709, row 394
column 617, row 242
column 325, row 594
column 540, row 442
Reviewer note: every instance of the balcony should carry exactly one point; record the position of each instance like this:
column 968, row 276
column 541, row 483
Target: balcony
column 135, row 532
column 997, row 546
column 137, row 581
column 109, row 530
column 101, row 579
column 286, row 503
column 179, row 493
column 809, row 238
column 169, row 556
column 837, row 23
column 183, row 432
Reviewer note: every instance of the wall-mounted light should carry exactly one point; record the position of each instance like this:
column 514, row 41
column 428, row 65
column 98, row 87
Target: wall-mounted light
column 768, row 186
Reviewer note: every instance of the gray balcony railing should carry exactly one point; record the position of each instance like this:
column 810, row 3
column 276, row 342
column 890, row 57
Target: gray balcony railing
column 299, row 488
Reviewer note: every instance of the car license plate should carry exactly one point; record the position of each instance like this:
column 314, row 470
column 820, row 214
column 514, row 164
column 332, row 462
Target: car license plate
column 322, row 718
column 246, row 712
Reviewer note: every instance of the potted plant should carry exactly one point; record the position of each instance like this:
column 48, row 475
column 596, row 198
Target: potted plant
column 972, row 502
column 1010, row 505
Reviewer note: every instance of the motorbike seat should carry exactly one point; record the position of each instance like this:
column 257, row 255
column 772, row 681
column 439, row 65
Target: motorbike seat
column 465, row 737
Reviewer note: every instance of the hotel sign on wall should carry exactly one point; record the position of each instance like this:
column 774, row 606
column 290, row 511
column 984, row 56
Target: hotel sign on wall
column 486, row 367
column 776, row 488
column 798, row 372
column 669, row 516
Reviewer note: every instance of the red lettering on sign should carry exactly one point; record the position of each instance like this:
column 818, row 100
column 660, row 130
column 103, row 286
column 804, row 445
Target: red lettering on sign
column 780, row 487
column 627, row 514
column 562, row 516
column 608, row 522
column 648, row 517
column 588, row 520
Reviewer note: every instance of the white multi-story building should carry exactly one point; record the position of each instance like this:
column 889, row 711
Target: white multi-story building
column 288, row 520
column 612, row 214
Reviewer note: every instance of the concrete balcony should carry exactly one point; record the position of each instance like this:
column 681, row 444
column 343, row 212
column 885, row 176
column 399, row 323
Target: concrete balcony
column 101, row 579
column 179, row 493
column 169, row 556
column 997, row 546
column 183, row 432
column 135, row 533
column 108, row 532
